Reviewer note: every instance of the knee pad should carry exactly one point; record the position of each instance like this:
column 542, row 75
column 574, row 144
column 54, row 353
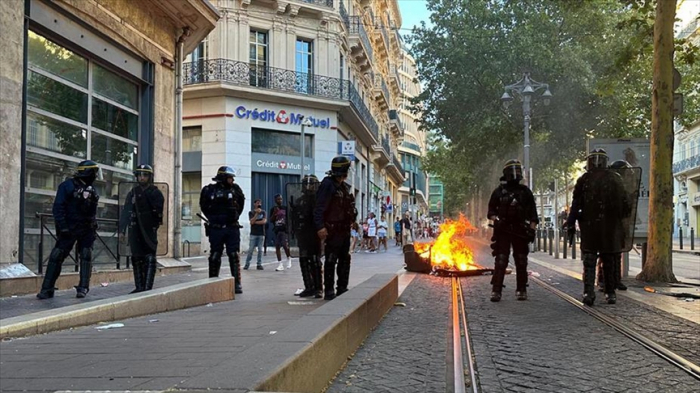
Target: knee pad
column 214, row 256
column 57, row 255
column 520, row 260
column 501, row 261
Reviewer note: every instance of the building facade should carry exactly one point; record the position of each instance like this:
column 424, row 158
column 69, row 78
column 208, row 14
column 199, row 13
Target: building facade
column 414, row 143
column 86, row 79
column 266, row 69
column 686, row 149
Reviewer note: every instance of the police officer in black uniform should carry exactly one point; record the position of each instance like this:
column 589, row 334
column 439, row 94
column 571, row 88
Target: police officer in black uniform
column 143, row 215
column 301, row 210
column 222, row 203
column 599, row 204
column 514, row 214
column 74, row 211
column 334, row 213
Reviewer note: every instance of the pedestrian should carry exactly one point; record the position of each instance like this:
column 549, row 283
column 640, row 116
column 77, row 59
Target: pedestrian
column 334, row 212
column 371, row 233
column 397, row 232
column 382, row 227
column 354, row 236
column 601, row 206
column 74, row 210
column 406, row 229
column 258, row 220
column 142, row 216
column 365, row 237
column 302, row 201
column 514, row 214
column 222, row 203
column 278, row 216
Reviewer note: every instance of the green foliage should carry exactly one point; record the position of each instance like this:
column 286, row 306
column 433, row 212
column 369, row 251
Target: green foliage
column 595, row 55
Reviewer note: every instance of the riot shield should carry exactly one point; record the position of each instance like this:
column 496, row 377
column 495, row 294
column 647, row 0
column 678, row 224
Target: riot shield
column 606, row 209
column 631, row 179
column 141, row 226
column 301, row 200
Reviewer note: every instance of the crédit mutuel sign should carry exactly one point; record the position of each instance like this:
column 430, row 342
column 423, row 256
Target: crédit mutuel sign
column 281, row 117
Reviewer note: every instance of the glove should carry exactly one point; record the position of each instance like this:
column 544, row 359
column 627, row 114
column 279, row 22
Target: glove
column 571, row 232
column 530, row 234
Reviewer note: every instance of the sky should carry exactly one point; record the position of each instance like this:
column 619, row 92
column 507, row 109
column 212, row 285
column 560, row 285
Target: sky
column 412, row 13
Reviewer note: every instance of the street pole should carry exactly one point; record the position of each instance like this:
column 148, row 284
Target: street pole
column 301, row 171
column 555, row 219
column 526, row 145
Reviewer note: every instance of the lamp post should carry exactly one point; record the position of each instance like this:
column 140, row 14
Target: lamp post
column 304, row 124
column 526, row 88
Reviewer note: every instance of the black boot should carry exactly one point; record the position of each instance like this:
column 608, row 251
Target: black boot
column 138, row 265
column 85, row 273
column 589, row 264
column 234, row 263
column 521, row 276
column 305, row 267
column 214, row 264
column 329, row 276
column 343, row 274
column 53, row 271
column 317, row 277
column 499, row 273
column 617, row 269
column 609, row 273
column 151, row 269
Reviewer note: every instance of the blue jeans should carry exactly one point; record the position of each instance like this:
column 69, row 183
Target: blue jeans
column 255, row 242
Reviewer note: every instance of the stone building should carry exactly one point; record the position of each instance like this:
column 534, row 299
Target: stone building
column 86, row 79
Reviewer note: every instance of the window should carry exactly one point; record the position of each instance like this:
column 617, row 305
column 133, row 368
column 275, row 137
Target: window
column 197, row 60
column 258, row 58
column 304, row 60
column 191, row 139
column 281, row 143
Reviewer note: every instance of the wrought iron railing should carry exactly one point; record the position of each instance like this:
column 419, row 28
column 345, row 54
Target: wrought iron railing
column 355, row 26
column 397, row 163
column 386, row 38
column 361, row 108
column 688, row 163
column 394, row 116
column 410, row 145
column 385, row 88
column 386, row 144
column 325, row 3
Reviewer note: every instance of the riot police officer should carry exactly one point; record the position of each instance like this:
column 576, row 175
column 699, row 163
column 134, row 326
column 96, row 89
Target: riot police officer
column 601, row 206
column 302, row 200
column 143, row 215
column 222, row 203
column 513, row 212
column 74, row 211
column 334, row 213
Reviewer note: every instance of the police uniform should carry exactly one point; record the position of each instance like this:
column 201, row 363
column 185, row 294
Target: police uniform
column 335, row 212
column 74, row 210
column 512, row 208
column 301, row 211
column 222, row 204
column 143, row 215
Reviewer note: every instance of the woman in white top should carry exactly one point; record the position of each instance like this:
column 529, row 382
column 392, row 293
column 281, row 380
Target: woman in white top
column 371, row 232
column 381, row 233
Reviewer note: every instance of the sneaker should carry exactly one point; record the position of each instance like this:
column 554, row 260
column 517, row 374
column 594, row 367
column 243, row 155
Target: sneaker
column 246, row 267
column 260, row 267
column 289, row 263
column 280, row 268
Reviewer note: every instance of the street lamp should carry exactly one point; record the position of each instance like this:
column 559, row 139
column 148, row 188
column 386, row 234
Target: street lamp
column 526, row 88
column 305, row 123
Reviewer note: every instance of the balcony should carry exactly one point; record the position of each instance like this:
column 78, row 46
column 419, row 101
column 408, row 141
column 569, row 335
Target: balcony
column 381, row 92
column 383, row 152
column 412, row 146
column 687, row 164
column 394, row 79
column 395, row 170
column 690, row 28
column 325, row 3
column 360, row 46
column 216, row 75
column 395, row 124
column 381, row 37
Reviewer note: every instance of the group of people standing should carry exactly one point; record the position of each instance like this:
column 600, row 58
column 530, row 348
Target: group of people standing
column 604, row 203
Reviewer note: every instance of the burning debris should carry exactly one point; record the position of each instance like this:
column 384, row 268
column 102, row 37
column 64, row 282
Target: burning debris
column 449, row 254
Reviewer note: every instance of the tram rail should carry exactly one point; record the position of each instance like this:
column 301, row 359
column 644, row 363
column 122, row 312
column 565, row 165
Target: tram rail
column 463, row 357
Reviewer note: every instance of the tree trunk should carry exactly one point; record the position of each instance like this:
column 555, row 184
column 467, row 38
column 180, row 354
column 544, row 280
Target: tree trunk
column 658, row 266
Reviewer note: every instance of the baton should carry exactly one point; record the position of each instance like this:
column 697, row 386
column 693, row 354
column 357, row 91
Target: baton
column 203, row 218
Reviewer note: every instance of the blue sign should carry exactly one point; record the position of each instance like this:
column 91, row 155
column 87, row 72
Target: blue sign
column 280, row 116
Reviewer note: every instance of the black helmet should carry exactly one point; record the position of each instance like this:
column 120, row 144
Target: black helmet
column 88, row 171
column 223, row 173
column 513, row 170
column 620, row 164
column 340, row 166
column 310, row 182
column 597, row 159
column 144, row 169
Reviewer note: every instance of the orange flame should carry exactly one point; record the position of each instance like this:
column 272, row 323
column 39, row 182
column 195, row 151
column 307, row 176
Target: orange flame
column 450, row 250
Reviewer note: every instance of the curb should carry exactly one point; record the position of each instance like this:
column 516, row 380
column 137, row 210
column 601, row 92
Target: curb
column 174, row 297
column 348, row 319
column 28, row 285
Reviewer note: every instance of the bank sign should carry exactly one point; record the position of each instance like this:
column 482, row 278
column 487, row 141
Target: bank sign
column 281, row 116
column 287, row 165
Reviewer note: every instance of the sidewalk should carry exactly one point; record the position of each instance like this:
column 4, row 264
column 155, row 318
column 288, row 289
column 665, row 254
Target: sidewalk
column 230, row 345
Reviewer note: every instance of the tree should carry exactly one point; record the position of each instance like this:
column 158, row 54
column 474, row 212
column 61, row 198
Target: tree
column 658, row 266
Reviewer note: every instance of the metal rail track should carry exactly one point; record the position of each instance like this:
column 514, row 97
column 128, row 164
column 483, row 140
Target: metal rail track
column 460, row 341
column 658, row 349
